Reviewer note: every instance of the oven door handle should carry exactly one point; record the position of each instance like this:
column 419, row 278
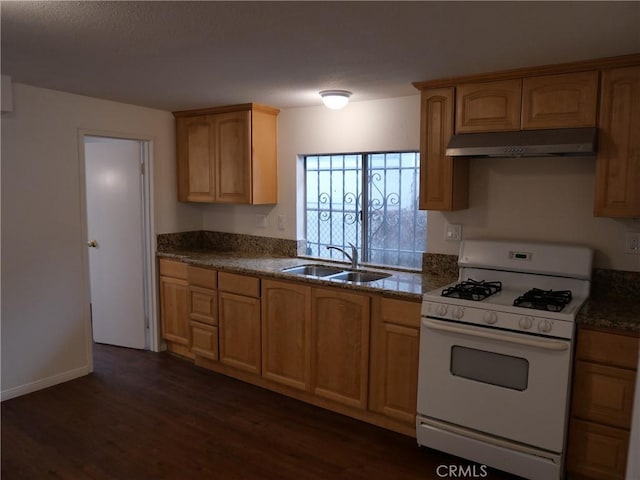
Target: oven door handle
column 529, row 342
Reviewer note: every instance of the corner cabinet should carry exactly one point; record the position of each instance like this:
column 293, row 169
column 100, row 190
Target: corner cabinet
column 228, row 155
column 618, row 165
column 602, row 404
column 444, row 181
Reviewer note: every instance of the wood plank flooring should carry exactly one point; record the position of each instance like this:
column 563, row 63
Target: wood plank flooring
column 143, row 415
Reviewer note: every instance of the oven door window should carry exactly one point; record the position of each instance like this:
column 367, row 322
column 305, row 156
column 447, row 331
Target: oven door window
column 488, row 367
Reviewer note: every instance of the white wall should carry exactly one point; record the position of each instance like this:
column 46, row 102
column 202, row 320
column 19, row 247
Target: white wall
column 522, row 199
column 45, row 303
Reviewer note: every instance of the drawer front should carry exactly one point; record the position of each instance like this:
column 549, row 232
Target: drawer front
column 203, row 305
column 597, row 451
column 608, row 348
column 204, row 340
column 603, row 394
column 202, row 277
column 172, row 268
column 239, row 284
column 400, row 312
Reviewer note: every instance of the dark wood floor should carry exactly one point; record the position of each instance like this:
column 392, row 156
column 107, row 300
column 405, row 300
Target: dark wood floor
column 143, row 415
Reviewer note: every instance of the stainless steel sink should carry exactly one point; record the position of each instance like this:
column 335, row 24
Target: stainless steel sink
column 314, row 270
column 360, row 277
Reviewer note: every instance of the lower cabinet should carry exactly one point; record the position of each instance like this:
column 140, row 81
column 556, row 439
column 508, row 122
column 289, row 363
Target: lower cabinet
column 395, row 341
column 602, row 404
column 286, row 333
column 340, row 346
column 174, row 305
column 239, row 318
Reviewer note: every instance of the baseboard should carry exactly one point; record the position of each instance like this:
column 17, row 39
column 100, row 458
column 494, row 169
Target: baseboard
column 44, row 383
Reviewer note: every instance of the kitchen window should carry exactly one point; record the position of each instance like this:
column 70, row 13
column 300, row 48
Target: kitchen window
column 370, row 200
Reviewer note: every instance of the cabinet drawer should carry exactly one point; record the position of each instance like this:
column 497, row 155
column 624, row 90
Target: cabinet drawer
column 204, row 340
column 202, row 277
column 488, row 107
column 203, row 305
column 596, row 451
column 172, row 268
column 240, row 284
column 400, row 312
column 560, row 101
column 608, row 348
column 603, row 394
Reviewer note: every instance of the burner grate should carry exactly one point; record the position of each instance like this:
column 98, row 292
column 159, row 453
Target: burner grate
column 472, row 290
column 550, row 300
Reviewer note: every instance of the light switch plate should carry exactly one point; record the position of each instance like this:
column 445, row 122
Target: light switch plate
column 261, row 221
column 282, row 222
column 453, row 232
column 632, row 243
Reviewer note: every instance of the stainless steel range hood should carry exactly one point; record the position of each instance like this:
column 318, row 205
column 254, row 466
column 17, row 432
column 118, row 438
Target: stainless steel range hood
column 524, row 143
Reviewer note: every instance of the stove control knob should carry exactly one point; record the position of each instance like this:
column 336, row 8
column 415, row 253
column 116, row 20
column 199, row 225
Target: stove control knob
column 545, row 326
column 526, row 323
column 457, row 313
column 490, row 317
column 441, row 310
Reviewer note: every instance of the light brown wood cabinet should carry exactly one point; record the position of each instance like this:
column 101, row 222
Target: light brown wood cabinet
column 286, row 333
column 174, row 305
column 618, row 165
column 340, row 346
column 602, row 402
column 395, row 342
column 560, row 101
column 239, row 321
column 228, row 154
column 444, row 181
column 203, row 314
column 488, row 106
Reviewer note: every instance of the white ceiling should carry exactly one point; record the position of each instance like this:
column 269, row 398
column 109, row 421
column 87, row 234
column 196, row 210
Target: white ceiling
column 183, row 55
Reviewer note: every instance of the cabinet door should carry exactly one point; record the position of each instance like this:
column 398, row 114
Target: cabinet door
column 286, row 336
column 196, row 182
column 618, row 166
column 597, row 451
column 239, row 319
column 488, row 107
column 560, row 101
column 233, row 157
column 603, row 394
column 444, row 182
column 174, row 309
column 395, row 339
column 340, row 346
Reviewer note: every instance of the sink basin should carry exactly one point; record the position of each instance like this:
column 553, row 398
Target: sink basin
column 314, row 270
column 360, row 277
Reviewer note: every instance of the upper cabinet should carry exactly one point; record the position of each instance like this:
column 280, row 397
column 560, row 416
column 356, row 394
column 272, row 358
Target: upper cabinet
column 560, row 101
column 488, row 107
column 544, row 97
column 618, row 166
column 228, row 155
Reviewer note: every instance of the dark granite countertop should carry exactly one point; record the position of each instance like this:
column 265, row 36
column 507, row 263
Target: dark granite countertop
column 401, row 284
column 612, row 313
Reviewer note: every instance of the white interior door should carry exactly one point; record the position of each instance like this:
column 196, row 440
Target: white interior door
column 115, row 225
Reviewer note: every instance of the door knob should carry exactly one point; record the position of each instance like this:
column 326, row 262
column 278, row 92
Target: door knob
column 92, row 243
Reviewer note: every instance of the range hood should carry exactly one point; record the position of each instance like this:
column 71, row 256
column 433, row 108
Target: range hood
column 524, row 143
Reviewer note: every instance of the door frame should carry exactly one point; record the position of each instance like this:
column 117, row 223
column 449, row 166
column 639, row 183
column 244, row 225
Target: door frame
column 149, row 244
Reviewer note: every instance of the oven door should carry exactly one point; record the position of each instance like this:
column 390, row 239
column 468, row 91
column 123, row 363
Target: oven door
column 506, row 384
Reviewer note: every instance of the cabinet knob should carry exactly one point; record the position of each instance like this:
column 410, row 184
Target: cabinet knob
column 92, row 243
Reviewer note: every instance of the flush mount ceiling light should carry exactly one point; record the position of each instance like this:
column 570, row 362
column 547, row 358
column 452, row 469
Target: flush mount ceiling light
column 335, row 99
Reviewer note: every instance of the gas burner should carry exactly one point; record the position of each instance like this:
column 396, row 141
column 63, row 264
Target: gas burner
column 472, row 290
column 550, row 300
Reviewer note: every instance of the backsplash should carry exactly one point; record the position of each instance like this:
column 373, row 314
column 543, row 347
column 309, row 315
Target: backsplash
column 227, row 242
column 614, row 283
column 440, row 264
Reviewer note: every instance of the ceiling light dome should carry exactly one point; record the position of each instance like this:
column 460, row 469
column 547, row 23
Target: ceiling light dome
column 335, row 99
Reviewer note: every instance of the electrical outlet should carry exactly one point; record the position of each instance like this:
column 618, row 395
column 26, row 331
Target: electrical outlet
column 282, row 222
column 261, row 221
column 632, row 244
column 453, row 232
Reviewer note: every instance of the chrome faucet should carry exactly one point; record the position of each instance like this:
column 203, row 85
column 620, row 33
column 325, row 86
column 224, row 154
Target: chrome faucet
column 353, row 258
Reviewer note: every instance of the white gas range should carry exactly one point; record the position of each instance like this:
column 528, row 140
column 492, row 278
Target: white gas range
column 496, row 351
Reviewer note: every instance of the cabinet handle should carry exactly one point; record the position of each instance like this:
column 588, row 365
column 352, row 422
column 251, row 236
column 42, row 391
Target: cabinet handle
column 92, row 244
